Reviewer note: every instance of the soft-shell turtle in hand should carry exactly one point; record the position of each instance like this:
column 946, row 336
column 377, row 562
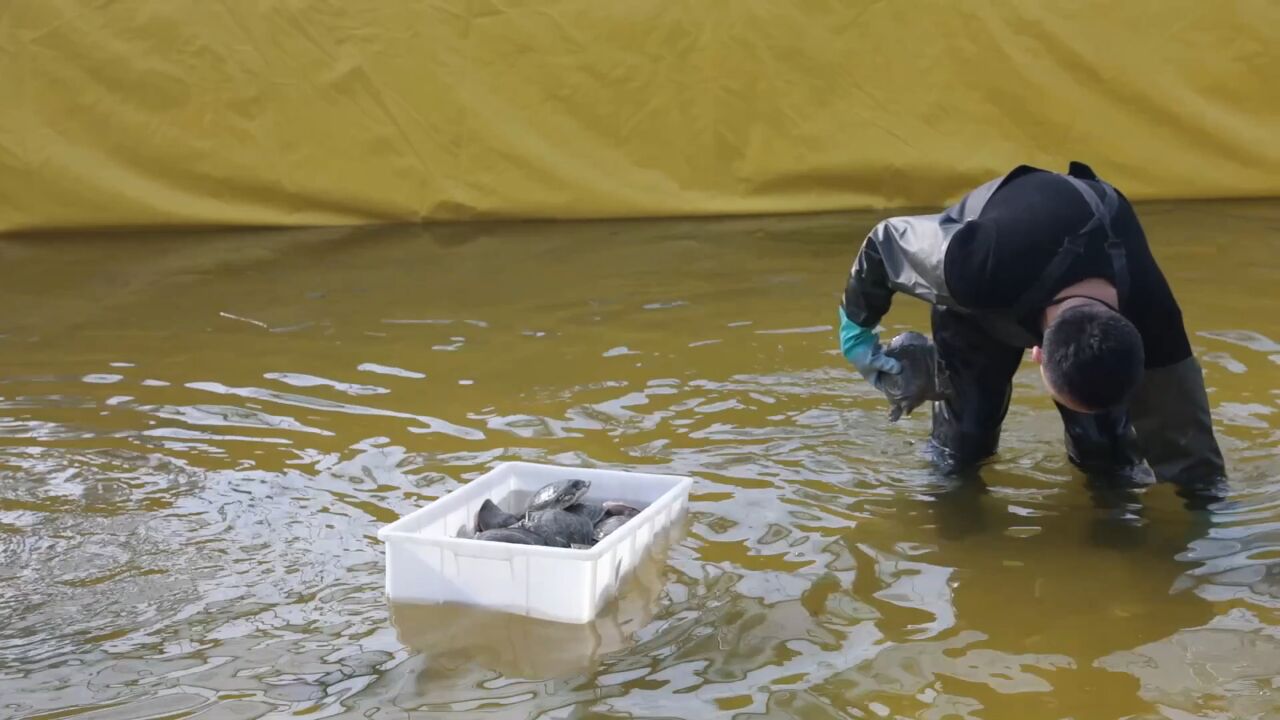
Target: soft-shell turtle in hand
column 558, row 495
column 921, row 379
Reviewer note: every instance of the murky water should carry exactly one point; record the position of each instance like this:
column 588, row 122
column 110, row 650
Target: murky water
column 202, row 434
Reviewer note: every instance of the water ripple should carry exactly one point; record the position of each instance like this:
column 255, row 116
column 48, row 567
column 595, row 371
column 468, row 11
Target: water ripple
column 177, row 541
column 314, row 403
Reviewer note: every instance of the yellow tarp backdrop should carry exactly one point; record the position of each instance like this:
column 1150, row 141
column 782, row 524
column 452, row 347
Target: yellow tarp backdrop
column 269, row 112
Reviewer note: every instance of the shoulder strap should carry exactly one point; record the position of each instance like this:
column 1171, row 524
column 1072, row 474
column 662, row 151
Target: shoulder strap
column 1103, row 209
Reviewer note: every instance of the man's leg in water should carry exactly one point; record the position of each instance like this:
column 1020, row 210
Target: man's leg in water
column 1175, row 430
column 966, row 426
column 1105, row 447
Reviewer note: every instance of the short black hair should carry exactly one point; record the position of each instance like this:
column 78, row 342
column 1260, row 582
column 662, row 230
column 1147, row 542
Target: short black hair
column 1093, row 355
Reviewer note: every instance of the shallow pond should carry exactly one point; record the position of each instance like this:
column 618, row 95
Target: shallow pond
column 201, row 433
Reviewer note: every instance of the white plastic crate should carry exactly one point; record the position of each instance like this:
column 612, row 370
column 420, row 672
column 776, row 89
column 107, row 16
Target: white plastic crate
column 427, row 563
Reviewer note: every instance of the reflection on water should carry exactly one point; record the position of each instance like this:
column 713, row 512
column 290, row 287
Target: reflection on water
column 200, row 436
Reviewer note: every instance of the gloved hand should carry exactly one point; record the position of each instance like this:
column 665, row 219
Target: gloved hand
column 861, row 346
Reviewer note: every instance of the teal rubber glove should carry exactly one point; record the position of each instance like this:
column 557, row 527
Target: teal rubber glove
column 861, row 347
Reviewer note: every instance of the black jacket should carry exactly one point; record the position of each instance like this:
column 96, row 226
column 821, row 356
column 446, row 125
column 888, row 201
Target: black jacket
column 982, row 254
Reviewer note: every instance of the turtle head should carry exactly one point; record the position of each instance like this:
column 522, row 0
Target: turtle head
column 576, row 489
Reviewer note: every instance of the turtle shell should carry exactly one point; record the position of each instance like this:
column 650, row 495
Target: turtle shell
column 589, row 510
column 491, row 517
column 609, row 525
column 560, row 525
column 558, row 495
column 516, row 535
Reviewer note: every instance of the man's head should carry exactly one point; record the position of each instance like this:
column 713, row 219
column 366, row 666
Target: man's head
column 1091, row 358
